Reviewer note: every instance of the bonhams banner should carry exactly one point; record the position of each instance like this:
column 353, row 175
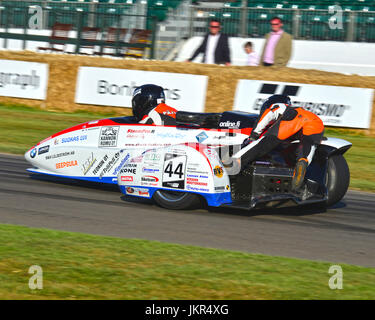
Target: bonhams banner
column 114, row 87
column 22, row 79
column 336, row 106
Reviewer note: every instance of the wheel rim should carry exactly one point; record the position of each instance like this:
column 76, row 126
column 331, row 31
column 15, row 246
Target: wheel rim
column 171, row 196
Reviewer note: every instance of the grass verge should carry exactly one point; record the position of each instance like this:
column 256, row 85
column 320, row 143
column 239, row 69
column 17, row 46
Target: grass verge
column 79, row 266
column 22, row 127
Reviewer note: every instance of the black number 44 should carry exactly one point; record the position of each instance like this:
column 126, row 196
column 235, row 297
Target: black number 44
column 177, row 171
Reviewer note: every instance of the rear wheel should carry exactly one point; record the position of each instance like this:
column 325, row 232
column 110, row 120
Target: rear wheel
column 338, row 178
column 177, row 200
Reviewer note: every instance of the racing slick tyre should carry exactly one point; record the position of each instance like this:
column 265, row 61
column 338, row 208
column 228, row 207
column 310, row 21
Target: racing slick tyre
column 177, row 200
column 337, row 180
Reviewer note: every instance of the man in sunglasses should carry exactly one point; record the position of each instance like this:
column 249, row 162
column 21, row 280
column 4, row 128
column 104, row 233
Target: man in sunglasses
column 278, row 46
column 215, row 47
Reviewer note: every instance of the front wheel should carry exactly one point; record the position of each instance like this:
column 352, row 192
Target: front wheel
column 177, row 200
column 338, row 178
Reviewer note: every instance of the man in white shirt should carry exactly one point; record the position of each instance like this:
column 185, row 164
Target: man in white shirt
column 215, row 47
column 252, row 57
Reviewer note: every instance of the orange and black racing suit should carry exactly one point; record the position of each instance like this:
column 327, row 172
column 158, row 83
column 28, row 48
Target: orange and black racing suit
column 286, row 122
column 162, row 114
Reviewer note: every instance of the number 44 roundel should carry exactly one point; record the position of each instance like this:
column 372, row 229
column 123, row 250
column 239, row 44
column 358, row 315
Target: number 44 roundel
column 174, row 171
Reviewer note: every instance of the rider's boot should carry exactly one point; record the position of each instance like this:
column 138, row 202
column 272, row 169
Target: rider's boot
column 299, row 174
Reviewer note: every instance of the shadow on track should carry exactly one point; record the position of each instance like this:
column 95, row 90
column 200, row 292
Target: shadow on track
column 286, row 211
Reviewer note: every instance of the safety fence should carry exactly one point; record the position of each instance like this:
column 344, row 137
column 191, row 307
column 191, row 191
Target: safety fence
column 96, row 30
column 170, row 22
column 306, row 24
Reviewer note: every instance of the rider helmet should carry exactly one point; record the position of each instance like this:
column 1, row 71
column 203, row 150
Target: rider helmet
column 276, row 98
column 145, row 98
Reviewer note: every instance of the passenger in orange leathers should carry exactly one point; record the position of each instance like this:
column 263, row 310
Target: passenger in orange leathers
column 284, row 121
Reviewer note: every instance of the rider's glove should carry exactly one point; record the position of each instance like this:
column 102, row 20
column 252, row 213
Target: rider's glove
column 254, row 136
column 245, row 143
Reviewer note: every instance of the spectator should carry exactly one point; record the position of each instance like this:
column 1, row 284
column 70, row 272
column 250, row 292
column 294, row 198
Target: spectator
column 214, row 46
column 278, row 46
column 252, row 57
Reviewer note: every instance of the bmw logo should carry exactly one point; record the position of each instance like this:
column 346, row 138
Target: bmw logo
column 33, row 153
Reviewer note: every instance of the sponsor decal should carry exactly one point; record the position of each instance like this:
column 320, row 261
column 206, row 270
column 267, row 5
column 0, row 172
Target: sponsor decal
column 229, row 124
column 218, row 171
column 108, row 136
column 33, row 153
column 149, row 144
column 152, row 156
column 66, row 164
column 129, row 168
column 227, row 187
column 100, row 164
column 165, row 135
column 111, row 163
column 87, row 165
column 113, row 89
column 73, row 139
column 142, row 192
column 195, row 181
column 127, row 178
column 193, row 170
column 138, row 133
column 116, row 87
column 141, row 131
column 149, row 179
column 202, row 136
column 42, row 150
column 59, row 155
column 118, row 168
column 129, row 190
column 221, row 188
column 210, row 153
column 150, row 170
column 137, row 159
column 335, row 105
column 286, row 90
column 172, row 184
column 173, row 152
column 131, row 165
column 70, row 139
column 196, row 189
column 169, row 113
column 23, row 79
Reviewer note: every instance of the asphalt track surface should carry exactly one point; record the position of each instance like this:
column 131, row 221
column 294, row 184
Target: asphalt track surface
column 343, row 234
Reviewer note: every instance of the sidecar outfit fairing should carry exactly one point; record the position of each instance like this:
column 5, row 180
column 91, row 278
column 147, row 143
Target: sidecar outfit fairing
column 180, row 166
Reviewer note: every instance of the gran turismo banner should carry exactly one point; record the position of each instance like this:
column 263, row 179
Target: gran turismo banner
column 21, row 79
column 114, row 87
column 336, row 106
